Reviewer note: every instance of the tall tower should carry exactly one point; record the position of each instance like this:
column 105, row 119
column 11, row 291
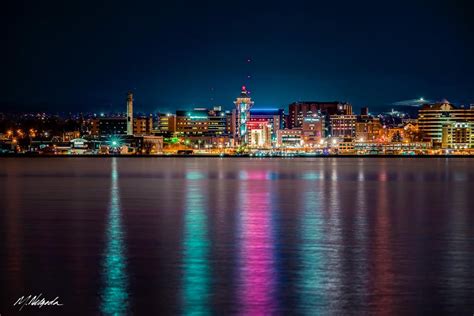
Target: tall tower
column 243, row 104
column 129, row 113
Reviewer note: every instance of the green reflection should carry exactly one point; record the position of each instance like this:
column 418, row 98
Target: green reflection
column 311, row 281
column 114, row 296
column 196, row 274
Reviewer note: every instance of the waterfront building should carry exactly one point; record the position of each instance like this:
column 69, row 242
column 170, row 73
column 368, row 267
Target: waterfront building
column 92, row 127
column 201, row 122
column 392, row 148
column 289, row 137
column 129, row 113
column 299, row 110
column 432, row 118
column 263, row 119
column 343, row 125
column 166, row 123
column 367, row 128
column 109, row 126
column 458, row 135
column 241, row 116
column 261, row 137
column 312, row 130
column 345, row 147
column 143, row 125
column 406, row 133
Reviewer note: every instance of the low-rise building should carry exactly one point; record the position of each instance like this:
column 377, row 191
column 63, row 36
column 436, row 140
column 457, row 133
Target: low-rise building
column 458, row 135
column 289, row 137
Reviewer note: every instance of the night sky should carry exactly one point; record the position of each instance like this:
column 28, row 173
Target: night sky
column 84, row 56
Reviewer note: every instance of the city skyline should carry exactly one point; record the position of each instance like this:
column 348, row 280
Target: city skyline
column 63, row 57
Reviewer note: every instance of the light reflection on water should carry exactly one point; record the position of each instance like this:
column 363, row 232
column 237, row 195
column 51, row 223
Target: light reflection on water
column 196, row 270
column 239, row 236
column 311, row 278
column 256, row 262
column 115, row 296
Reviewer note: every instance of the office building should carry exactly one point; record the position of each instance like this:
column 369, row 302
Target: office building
column 343, row 126
column 143, row 125
column 432, row 118
column 458, row 135
column 113, row 126
column 299, row 110
column 201, row 122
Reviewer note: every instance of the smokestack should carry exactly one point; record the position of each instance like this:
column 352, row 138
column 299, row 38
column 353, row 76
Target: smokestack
column 130, row 113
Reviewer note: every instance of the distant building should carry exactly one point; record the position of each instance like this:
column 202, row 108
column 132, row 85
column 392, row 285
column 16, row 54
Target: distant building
column 167, row 123
column 459, row 135
column 261, row 137
column 432, row 118
column 201, row 122
column 299, row 110
column 364, row 111
column 143, row 125
column 289, row 137
column 242, row 115
column 343, row 125
column 312, row 130
column 368, row 128
column 263, row 119
column 112, row 126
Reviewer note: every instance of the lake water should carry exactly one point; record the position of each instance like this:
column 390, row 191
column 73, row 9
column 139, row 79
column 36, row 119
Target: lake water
column 148, row 236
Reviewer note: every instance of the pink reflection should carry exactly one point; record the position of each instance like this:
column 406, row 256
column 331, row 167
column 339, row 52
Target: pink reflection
column 383, row 276
column 256, row 248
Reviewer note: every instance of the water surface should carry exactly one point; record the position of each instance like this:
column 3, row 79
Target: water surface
column 202, row 236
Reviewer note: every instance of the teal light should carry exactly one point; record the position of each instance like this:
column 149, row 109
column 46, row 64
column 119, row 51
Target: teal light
column 196, row 245
column 114, row 294
column 312, row 281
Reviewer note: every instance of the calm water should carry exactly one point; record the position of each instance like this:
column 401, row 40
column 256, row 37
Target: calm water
column 218, row 236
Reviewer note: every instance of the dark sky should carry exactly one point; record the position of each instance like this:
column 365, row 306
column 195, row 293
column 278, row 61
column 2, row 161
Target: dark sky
column 81, row 55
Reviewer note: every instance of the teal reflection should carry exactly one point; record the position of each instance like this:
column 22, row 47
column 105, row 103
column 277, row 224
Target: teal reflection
column 114, row 296
column 196, row 273
column 311, row 280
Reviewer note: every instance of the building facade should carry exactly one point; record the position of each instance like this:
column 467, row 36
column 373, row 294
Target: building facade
column 297, row 111
column 368, row 128
column 143, row 125
column 312, row 130
column 113, row 126
column 201, row 122
column 459, row 135
column 289, row 137
column 432, row 118
column 343, row 126
column 242, row 115
column 262, row 120
column 166, row 123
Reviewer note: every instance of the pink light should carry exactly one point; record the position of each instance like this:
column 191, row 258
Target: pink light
column 256, row 277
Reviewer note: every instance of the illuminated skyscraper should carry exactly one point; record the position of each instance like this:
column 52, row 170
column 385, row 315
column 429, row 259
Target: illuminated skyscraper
column 243, row 104
column 130, row 113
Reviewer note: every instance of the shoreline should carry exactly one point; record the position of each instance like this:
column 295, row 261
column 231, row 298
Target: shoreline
column 233, row 156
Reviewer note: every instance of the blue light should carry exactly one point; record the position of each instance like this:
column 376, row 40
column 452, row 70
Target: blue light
column 114, row 294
